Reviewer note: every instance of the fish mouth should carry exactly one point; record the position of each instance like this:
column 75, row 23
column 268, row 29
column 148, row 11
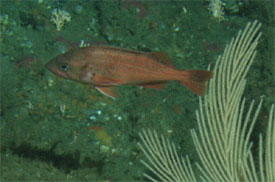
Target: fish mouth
column 51, row 66
column 48, row 65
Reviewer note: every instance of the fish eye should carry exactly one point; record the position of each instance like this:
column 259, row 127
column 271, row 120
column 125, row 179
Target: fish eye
column 64, row 67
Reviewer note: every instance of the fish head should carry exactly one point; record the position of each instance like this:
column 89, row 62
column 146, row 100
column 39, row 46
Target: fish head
column 70, row 65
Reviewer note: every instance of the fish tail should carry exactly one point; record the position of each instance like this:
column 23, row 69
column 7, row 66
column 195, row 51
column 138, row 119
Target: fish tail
column 196, row 80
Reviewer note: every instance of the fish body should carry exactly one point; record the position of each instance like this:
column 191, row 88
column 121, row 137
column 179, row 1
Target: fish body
column 107, row 67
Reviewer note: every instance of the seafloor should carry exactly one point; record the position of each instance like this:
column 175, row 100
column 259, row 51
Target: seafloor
column 53, row 129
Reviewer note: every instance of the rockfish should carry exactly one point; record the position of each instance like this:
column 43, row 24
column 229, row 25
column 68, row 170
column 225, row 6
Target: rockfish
column 107, row 67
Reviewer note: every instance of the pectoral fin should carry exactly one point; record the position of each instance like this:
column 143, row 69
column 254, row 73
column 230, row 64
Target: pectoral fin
column 108, row 91
column 103, row 80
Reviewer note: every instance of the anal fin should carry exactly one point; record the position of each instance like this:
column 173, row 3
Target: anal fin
column 155, row 86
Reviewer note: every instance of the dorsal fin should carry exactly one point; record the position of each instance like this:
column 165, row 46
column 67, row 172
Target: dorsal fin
column 162, row 58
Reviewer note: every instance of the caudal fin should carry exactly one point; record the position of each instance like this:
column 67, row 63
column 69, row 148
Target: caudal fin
column 196, row 80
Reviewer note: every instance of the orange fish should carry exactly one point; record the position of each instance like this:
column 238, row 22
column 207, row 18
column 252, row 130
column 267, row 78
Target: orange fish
column 107, row 67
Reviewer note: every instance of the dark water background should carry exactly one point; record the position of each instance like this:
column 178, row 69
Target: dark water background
column 47, row 123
